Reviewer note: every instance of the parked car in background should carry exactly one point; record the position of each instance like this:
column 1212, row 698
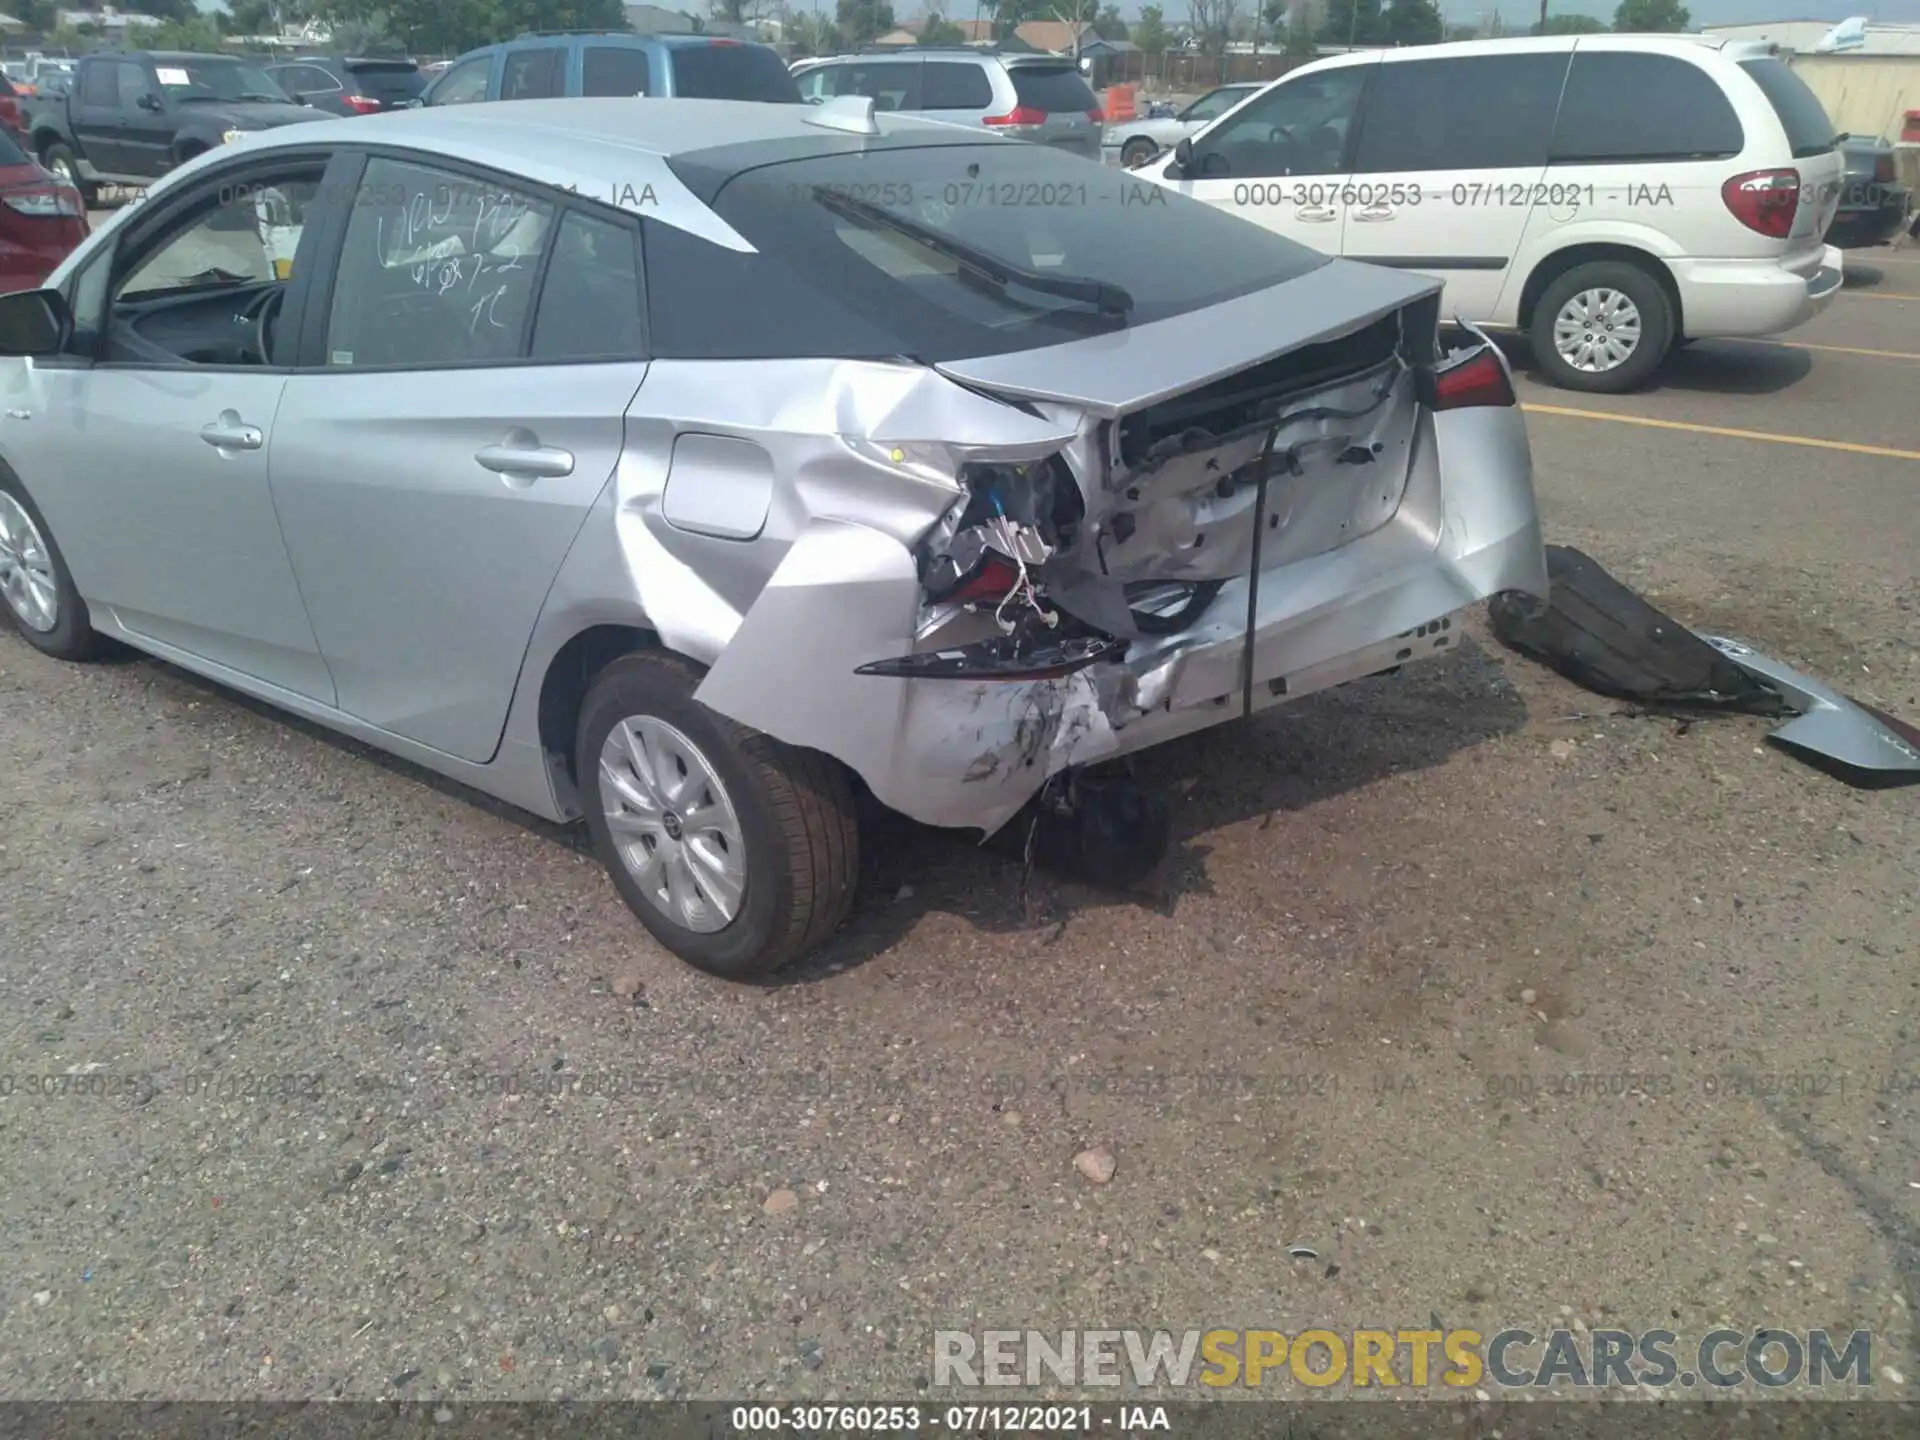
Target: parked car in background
column 1134, row 142
column 543, row 66
column 13, row 109
column 1609, row 195
column 1042, row 98
column 711, row 502
column 41, row 219
column 349, row 85
column 1874, row 205
column 131, row 116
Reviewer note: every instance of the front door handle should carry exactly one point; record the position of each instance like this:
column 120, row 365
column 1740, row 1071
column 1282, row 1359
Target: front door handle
column 541, row 461
column 1375, row 212
column 1316, row 214
column 229, row 432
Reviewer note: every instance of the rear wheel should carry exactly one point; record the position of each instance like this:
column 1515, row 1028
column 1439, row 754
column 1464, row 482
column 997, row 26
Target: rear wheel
column 1603, row 327
column 60, row 160
column 35, row 584
column 738, row 853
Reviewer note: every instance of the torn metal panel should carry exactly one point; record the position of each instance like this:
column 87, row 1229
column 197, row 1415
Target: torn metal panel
column 1857, row 742
column 1143, row 365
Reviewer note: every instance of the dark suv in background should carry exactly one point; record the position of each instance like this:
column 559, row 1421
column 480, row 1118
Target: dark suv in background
column 550, row 64
column 349, row 85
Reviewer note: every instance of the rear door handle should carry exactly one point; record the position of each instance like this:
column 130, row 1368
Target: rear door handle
column 543, row 461
column 1316, row 214
column 1374, row 212
column 228, row 433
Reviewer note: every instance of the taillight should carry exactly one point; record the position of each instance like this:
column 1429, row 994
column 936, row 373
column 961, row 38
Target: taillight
column 1099, row 117
column 1019, row 115
column 46, row 203
column 1765, row 201
column 360, row 104
column 990, row 581
column 1480, row 379
column 1883, row 169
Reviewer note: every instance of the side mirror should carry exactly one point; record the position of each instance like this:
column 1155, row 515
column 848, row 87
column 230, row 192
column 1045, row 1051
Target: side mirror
column 1183, row 155
column 416, row 103
column 149, row 101
column 34, row 322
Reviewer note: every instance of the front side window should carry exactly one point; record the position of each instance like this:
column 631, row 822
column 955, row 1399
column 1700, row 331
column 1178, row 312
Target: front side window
column 1299, row 127
column 465, row 83
column 247, row 237
column 1213, row 104
column 1478, row 112
column 437, row 268
column 914, row 251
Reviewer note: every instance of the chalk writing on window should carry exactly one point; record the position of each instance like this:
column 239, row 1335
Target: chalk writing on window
column 466, row 244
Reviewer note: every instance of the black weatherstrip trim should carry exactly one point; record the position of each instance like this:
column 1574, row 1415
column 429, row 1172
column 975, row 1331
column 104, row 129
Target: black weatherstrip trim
column 1435, row 262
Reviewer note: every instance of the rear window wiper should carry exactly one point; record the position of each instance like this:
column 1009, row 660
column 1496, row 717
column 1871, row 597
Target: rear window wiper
column 1104, row 296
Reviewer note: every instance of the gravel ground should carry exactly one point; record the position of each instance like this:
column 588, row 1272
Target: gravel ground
column 377, row 1090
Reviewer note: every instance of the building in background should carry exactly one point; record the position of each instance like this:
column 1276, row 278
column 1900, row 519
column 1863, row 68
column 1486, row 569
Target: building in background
column 1867, row 89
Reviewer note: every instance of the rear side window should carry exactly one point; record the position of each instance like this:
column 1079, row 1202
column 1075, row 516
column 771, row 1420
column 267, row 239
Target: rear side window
column 1053, row 88
column 946, row 85
column 614, row 70
column 1627, row 106
column 100, row 83
column 10, row 151
column 590, row 304
column 1485, row 112
column 1809, row 130
column 533, row 74
column 390, row 83
column 732, row 72
column 436, row 268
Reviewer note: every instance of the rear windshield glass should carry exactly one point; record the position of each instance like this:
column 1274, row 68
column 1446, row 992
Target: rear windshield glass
column 839, row 272
column 732, row 72
column 1804, row 118
column 1052, row 87
column 395, row 81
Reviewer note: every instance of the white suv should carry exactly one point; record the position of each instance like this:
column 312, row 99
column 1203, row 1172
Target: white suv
column 1610, row 195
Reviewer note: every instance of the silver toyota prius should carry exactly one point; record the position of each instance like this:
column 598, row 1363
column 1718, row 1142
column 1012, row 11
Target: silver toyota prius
column 687, row 466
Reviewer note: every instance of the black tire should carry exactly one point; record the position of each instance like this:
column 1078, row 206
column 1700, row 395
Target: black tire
column 796, row 811
column 72, row 636
column 1656, row 328
column 60, row 159
column 1137, row 152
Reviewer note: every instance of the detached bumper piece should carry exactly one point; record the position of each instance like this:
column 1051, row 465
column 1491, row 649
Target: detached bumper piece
column 1606, row 639
column 1001, row 657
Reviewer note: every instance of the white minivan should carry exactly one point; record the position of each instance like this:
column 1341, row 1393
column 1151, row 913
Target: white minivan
column 1610, row 195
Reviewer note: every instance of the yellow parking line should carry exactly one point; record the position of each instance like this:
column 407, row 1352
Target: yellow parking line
column 1878, row 295
column 1825, row 349
column 1847, row 445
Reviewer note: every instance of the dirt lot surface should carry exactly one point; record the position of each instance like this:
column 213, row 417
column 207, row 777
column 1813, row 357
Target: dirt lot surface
column 1517, row 1010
